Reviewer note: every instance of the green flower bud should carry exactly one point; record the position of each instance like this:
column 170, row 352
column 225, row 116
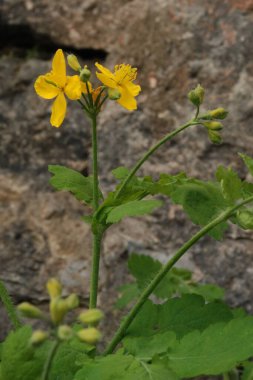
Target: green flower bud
column 30, row 311
column 218, row 113
column 213, row 125
column 73, row 62
column 90, row 335
column 85, row 74
column 72, row 301
column 58, row 310
column 113, row 94
column 38, row 337
column 196, row 96
column 245, row 219
column 91, row 316
column 214, row 137
column 54, row 288
column 64, row 332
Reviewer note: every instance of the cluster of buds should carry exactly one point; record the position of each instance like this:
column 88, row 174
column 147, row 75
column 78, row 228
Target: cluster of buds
column 84, row 72
column 58, row 308
column 210, row 120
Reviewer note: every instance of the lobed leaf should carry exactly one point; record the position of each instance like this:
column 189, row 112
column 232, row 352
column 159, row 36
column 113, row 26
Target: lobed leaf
column 74, row 182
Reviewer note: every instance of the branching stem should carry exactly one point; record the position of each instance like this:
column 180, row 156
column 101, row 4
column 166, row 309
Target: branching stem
column 165, row 269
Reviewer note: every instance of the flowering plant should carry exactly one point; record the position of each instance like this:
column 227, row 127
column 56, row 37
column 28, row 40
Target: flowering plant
column 176, row 328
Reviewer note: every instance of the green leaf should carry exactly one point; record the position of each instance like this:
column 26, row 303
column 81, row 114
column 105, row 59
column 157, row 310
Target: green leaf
column 66, row 361
column 19, row 360
column 180, row 315
column 128, row 293
column 216, row 350
column 231, row 184
column 248, row 371
column 134, row 208
column 176, row 282
column 120, row 172
column 202, row 201
column 248, row 162
column 74, row 182
column 124, row 367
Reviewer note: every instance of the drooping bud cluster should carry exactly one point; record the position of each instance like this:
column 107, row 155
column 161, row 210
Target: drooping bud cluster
column 58, row 308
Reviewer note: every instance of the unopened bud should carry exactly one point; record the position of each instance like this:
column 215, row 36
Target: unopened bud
column 245, row 219
column 72, row 301
column 58, row 309
column 214, row 137
column 38, row 337
column 90, row 335
column 213, row 125
column 218, row 113
column 54, row 288
column 73, row 62
column 91, row 316
column 114, row 94
column 196, row 96
column 30, row 311
column 64, row 332
column 85, row 74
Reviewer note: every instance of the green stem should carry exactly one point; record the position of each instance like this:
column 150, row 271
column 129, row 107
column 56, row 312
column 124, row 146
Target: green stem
column 150, row 152
column 50, row 358
column 8, row 304
column 164, row 270
column 97, row 236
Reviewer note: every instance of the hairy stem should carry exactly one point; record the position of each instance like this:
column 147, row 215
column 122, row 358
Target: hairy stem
column 150, row 152
column 97, row 236
column 50, row 358
column 165, row 269
column 10, row 308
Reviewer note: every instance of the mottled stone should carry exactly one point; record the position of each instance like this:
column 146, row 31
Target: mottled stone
column 175, row 45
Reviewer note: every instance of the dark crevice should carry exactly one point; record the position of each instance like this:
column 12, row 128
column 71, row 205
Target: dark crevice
column 23, row 41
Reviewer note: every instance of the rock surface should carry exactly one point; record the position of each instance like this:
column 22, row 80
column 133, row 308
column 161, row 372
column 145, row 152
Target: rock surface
column 175, row 45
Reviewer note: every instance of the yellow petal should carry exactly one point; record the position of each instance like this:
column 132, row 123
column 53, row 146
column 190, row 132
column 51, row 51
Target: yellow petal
column 109, row 82
column 84, row 87
column 59, row 68
column 104, row 70
column 134, row 89
column 127, row 100
column 58, row 110
column 44, row 89
column 73, row 88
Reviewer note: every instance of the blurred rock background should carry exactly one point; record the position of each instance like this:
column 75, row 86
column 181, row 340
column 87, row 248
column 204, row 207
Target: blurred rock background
column 175, row 45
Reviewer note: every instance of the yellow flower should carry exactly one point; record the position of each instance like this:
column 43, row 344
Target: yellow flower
column 57, row 84
column 122, row 80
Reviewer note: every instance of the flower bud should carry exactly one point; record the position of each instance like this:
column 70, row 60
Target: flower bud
column 30, row 311
column 54, row 288
column 90, row 335
column 91, row 316
column 213, row 125
column 72, row 301
column 38, row 337
column 196, row 96
column 218, row 113
column 245, row 219
column 85, row 74
column 113, row 94
column 64, row 332
column 58, row 309
column 73, row 62
column 214, row 137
